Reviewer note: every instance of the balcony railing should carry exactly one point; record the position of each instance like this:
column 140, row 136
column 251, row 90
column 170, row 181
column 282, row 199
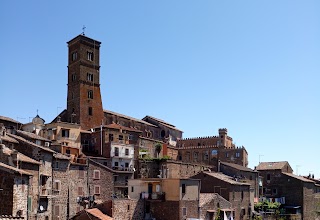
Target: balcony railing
column 120, row 183
column 153, row 196
column 128, row 169
column 45, row 192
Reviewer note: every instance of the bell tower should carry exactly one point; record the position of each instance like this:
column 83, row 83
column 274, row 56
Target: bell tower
column 84, row 104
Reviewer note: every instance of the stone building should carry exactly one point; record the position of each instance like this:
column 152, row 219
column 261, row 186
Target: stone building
column 101, row 183
column 42, row 192
column 14, row 184
column 60, row 186
column 236, row 192
column 167, row 198
column 209, row 150
column 243, row 174
column 297, row 194
column 212, row 205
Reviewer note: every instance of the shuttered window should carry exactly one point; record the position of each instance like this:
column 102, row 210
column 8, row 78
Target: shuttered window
column 96, row 174
column 80, row 191
column 96, row 190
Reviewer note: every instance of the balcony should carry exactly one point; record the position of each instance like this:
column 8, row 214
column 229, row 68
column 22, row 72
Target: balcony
column 153, row 196
column 120, row 184
column 121, row 168
column 44, row 192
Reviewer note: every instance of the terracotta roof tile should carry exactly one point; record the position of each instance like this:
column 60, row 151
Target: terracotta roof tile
column 9, row 139
column 298, row 177
column 15, row 170
column 238, row 167
column 128, row 117
column 97, row 213
column 31, row 135
column 225, row 178
column 271, row 165
column 9, row 119
column 24, row 141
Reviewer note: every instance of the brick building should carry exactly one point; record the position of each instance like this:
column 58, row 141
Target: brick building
column 211, row 203
column 236, row 192
column 209, row 150
column 297, row 194
column 243, row 174
column 167, row 198
column 14, row 184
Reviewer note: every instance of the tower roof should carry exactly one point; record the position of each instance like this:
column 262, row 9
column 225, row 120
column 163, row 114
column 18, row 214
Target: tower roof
column 83, row 38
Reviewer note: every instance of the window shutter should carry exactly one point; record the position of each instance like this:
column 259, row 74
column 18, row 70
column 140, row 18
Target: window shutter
column 80, row 191
column 96, row 189
column 96, row 174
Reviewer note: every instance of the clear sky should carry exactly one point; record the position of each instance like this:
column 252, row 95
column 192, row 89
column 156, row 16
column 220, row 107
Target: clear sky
column 249, row 66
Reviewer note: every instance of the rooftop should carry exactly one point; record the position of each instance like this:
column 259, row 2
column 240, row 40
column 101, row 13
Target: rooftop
column 9, row 119
column 301, row 178
column 13, row 169
column 226, row 178
column 238, row 167
column 272, row 165
column 31, row 135
column 128, row 117
column 24, row 141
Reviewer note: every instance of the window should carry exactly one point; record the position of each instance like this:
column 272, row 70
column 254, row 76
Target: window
column 237, row 154
column 206, row 156
column 195, row 156
column 81, row 172
column 128, row 207
column 227, row 154
column 115, row 178
column 268, row 177
column 96, row 174
column 80, row 191
column 132, row 189
column 127, row 152
column 90, row 55
column 96, row 190
column 56, row 210
column 241, row 195
column 116, row 151
column 116, row 164
column 120, row 137
column 110, row 137
column 64, row 132
column 74, row 56
column 56, row 185
column 184, row 211
column 126, row 165
column 90, row 94
column 90, row 77
column 56, row 165
column 183, row 188
column 90, row 111
column 73, row 77
column 68, row 151
column 130, row 137
column 274, row 191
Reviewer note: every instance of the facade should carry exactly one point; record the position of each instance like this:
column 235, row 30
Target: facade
column 236, row 192
column 209, row 150
column 212, row 205
column 297, row 194
column 243, row 174
column 14, row 184
column 167, row 198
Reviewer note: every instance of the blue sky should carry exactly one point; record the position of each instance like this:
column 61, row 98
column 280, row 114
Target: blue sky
column 249, row 66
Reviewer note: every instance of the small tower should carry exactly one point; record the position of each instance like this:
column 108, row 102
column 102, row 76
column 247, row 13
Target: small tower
column 223, row 134
column 84, row 105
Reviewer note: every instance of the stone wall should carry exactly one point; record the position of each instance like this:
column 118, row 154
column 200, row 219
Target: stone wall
column 105, row 181
column 191, row 207
column 77, row 178
column 6, row 194
column 168, row 210
column 128, row 209
column 20, row 195
column 60, row 176
column 212, row 201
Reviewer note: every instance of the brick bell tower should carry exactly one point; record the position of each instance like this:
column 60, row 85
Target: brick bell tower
column 84, row 105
